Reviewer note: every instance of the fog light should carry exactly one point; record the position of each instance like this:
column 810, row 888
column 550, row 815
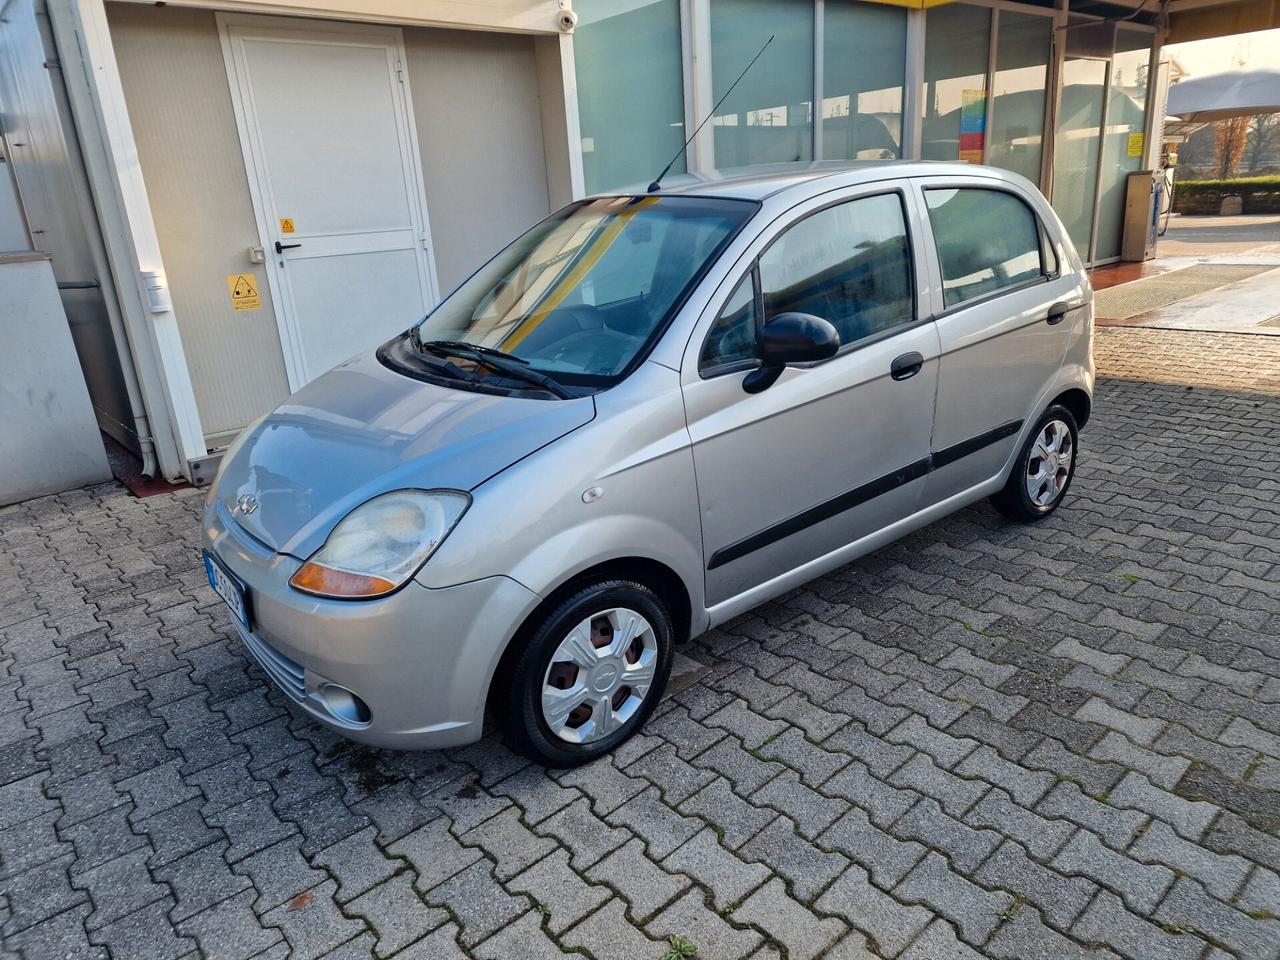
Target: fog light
column 344, row 704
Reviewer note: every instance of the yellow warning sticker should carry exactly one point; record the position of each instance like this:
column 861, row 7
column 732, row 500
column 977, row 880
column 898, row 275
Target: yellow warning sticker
column 243, row 288
column 1136, row 142
column 286, row 225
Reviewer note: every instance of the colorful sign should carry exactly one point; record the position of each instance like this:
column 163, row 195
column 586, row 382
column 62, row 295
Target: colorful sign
column 1136, row 142
column 973, row 125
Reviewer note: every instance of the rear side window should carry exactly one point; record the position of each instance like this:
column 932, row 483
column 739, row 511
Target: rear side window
column 987, row 240
column 849, row 264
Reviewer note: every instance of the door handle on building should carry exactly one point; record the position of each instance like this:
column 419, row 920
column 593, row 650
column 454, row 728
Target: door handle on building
column 282, row 247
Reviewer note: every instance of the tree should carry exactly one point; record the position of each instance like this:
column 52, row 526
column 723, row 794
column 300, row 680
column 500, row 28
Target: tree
column 1229, row 137
column 1264, row 139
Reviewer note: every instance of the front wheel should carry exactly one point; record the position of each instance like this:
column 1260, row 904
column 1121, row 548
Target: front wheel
column 591, row 673
column 1044, row 468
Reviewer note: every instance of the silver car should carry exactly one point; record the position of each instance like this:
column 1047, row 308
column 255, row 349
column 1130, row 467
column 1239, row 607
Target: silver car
column 649, row 414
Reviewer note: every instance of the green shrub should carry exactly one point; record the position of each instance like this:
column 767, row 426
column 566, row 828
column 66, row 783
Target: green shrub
column 1259, row 194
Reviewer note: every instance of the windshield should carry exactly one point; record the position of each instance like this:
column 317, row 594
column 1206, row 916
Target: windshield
column 581, row 295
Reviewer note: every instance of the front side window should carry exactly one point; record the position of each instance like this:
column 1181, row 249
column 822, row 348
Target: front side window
column 849, row 264
column 733, row 337
column 585, row 292
column 987, row 240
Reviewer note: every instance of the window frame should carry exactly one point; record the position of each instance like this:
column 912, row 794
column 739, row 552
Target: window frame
column 904, row 202
column 1043, row 234
column 1047, row 246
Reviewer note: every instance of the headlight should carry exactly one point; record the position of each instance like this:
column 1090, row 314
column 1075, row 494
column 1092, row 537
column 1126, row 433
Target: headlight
column 381, row 544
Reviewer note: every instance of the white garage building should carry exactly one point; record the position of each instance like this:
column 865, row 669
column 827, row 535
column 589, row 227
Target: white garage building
column 236, row 201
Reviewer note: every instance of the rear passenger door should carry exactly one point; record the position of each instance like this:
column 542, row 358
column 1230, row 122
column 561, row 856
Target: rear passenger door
column 997, row 283
column 832, row 451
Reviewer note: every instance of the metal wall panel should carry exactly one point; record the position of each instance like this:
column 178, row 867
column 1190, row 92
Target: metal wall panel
column 175, row 82
column 13, row 222
column 51, row 188
column 475, row 102
column 47, row 429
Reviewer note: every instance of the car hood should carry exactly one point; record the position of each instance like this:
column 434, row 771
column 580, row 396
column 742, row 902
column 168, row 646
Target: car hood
column 361, row 430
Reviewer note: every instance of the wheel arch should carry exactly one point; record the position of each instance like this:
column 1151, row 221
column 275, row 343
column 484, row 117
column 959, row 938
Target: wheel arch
column 655, row 575
column 1078, row 402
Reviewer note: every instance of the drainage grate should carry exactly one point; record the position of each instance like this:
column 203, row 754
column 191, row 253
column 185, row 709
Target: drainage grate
column 1140, row 296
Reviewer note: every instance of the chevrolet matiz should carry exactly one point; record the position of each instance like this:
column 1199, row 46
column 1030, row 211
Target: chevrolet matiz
column 647, row 415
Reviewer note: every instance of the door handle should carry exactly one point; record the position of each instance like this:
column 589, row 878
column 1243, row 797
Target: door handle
column 906, row 366
column 1057, row 312
column 282, row 247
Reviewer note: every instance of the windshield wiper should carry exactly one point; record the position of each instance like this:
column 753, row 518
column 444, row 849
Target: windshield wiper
column 439, row 359
column 513, row 367
column 471, row 348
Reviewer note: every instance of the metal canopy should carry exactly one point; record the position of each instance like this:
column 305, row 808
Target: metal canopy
column 1236, row 93
column 1201, row 19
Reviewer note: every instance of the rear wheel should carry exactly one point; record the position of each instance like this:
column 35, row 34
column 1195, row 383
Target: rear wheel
column 591, row 673
column 1044, row 468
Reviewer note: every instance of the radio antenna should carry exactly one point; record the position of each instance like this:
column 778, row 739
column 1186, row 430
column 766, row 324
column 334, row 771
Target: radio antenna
column 657, row 183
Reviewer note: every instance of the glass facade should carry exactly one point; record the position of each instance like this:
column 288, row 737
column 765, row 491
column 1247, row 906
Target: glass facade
column 1019, row 85
column 977, row 103
column 1124, row 142
column 769, row 116
column 630, row 90
column 864, row 52
column 957, row 45
column 1075, row 160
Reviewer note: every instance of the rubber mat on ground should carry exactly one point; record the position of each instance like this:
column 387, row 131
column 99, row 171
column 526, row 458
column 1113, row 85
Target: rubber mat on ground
column 1140, row 296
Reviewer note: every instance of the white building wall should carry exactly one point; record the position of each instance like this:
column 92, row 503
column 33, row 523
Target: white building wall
column 475, row 103
column 175, row 83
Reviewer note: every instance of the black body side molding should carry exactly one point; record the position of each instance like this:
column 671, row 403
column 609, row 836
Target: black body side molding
column 861, row 494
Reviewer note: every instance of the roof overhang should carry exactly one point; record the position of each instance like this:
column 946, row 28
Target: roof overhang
column 1217, row 96
column 1202, row 19
column 914, row 4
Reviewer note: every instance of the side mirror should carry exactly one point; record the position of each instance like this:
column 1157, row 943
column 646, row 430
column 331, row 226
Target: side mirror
column 791, row 338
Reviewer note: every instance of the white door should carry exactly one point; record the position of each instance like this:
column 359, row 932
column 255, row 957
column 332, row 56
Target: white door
column 335, row 175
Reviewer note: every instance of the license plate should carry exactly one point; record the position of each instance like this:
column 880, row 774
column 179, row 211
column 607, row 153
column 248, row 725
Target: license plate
column 226, row 586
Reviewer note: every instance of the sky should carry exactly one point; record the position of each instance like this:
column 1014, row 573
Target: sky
column 1201, row 57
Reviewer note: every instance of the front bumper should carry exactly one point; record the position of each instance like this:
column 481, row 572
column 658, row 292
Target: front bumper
column 421, row 658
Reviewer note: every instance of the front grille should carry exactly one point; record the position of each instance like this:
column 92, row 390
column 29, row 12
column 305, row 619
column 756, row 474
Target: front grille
column 288, row 676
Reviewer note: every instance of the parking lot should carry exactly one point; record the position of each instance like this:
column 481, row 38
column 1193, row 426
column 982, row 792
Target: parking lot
column 985, row 740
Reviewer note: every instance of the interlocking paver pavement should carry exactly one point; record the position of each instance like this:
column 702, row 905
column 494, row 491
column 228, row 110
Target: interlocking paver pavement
column 985, row 740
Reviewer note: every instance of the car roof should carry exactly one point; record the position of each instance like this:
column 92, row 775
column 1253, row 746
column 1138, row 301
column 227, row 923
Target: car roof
column 767, row 180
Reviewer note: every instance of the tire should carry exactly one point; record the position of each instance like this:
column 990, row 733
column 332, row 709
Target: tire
column 1016, row 500
column 581, row 647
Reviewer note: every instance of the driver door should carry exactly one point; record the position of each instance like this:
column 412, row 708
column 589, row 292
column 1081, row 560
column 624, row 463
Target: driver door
column 833, row 451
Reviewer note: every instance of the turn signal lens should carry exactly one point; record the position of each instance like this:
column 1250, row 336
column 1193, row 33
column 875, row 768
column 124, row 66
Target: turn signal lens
column 327, row 582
